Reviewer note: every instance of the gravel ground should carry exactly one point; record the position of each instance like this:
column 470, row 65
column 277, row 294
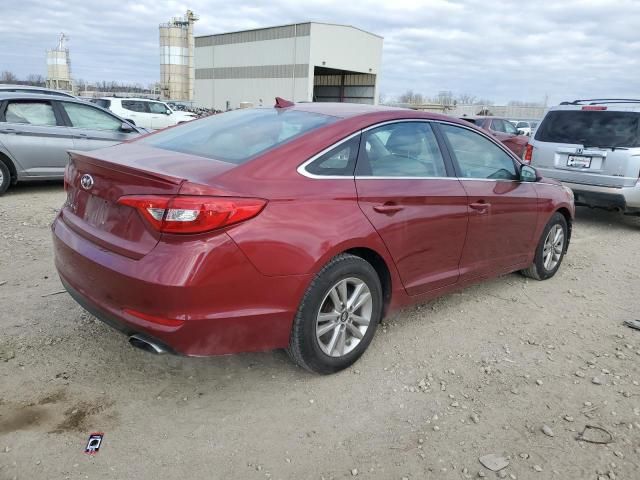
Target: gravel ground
column 511, row 367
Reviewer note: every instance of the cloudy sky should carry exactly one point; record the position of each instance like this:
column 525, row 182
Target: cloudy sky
column 506, row 50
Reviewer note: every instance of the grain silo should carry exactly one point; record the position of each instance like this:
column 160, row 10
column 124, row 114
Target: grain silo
column 59, row 66
column 176, row 58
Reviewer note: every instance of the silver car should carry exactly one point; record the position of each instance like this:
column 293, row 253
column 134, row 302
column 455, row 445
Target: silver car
column 36, row 131
column 593, row 147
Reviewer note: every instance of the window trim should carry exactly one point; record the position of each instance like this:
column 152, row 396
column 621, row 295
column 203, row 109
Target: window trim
column 449, row 166
column 458, row 171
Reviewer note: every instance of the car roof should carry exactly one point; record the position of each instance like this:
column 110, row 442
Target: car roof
column 612, row 107
column 7, row 86
column 350, row 110
column 39, row 96
column 130, row 98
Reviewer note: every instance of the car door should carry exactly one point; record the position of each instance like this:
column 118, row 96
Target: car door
column 503, row 211
column 92, row 127
column 136, row 111
column 160, row 115
column 35, row 136
column 409, row 194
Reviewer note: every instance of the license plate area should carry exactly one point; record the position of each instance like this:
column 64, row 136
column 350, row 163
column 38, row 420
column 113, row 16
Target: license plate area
column 579, row 161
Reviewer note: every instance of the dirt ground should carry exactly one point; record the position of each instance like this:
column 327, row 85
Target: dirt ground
column 474, row 373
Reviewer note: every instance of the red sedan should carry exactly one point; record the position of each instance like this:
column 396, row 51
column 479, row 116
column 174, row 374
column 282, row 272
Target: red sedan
column 503, row 130
column 297, row 227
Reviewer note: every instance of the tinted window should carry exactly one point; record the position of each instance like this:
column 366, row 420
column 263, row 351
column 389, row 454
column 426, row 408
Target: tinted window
column 84, row 116
column 134, row 105
column 32, row 113
column 509, row 128
column 102, row 102
column 157, row 107
column 339, row 161
column 237, row 136
column 498, row 126
column 591, row 128
column 401, row 150
column 522, row 125
column 477, row 156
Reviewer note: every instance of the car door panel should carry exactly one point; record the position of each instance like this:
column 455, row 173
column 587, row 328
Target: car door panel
column 40, row 149
column 503, row 211
column 420, row 216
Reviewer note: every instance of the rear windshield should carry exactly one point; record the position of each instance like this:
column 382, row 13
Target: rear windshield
column 591, row 128
column 237, row 136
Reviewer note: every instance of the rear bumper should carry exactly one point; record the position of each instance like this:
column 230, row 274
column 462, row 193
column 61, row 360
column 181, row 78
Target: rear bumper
column 216, row 301
column 626, row 199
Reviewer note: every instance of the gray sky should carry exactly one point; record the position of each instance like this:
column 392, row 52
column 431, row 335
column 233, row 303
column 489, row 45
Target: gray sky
column 506, row 50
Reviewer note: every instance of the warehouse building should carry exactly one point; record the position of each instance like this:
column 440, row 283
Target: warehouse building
column 301, row 62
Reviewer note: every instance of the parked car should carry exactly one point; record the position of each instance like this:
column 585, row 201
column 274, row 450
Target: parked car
column 526, row 127
column 37, row 131
column 7, row 88
column 297, row 227
column 503, row 130
column 593, row 147
column 145, row 113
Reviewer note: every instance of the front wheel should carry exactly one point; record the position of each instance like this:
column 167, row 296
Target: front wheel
column 550, row 250
column 337, row 317
column 5, row 177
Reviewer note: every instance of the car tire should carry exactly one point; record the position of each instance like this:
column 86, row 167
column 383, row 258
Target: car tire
column 550, row 250
column 5, row 177
column 344, row 277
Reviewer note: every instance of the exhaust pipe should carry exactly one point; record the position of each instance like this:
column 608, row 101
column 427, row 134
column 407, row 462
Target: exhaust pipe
column 143, row 343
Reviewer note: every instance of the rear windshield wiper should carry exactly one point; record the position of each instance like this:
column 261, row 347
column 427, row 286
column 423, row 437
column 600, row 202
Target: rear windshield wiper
column 613, row 148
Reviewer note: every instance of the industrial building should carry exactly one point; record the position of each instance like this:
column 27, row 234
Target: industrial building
column 59, row 66
column 176, row 58
column 300, row 62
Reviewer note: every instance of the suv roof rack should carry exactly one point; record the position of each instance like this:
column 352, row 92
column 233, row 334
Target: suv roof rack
column 596, row 101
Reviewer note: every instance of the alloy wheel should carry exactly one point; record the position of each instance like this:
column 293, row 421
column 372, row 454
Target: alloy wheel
column 344, row 317
column 553, row 246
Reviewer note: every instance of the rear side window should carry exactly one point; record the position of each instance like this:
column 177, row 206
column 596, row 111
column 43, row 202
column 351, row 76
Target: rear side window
column 134, row 106
column 591, row 128
column 32, row 113
column 237, row 136
column 339, row 161
column 477, row 156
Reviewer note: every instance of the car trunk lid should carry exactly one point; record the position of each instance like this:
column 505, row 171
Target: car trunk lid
column 92, row 209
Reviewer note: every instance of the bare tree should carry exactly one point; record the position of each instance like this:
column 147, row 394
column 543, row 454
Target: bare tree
column 466, row 99
column 410, row 97
column 35, row 79
column 8, row 77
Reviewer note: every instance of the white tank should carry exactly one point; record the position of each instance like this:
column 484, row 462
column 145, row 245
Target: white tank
column 59, row 66
column 177, row 70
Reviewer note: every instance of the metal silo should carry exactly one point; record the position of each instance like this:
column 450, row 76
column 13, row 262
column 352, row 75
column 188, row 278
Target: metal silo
column 59, row 66
column 176, row 58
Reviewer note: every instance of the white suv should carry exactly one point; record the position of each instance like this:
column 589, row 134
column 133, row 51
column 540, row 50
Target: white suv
column 143, row 112
column 593, row 147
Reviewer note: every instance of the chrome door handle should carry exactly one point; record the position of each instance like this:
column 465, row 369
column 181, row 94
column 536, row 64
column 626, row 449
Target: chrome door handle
column 481, row 206
column 388, row 208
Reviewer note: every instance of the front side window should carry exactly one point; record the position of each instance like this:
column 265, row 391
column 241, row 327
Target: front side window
column 84, row 116
column 498, row 126
column 237, row 136
column 134, row 106
column 157, row 107
column 509, row 128
column 340, row 161
column 31, row 113
column 407, row 149
column 477, row 156
column 522, row 125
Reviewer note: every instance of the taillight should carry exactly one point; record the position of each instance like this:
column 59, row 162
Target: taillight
column 593, row 108
column 193, row 214
column 528, row 154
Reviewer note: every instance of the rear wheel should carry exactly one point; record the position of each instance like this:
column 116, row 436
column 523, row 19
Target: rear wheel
column 550, row 250
column 337, row 317
column 5, row 177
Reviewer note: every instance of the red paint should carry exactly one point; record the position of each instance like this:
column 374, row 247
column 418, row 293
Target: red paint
column 237, row 288
column 516, row 143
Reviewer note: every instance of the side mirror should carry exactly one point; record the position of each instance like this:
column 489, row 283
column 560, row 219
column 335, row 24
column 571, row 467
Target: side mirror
column 528, row 174
column 126, row 128
column 168, row 112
